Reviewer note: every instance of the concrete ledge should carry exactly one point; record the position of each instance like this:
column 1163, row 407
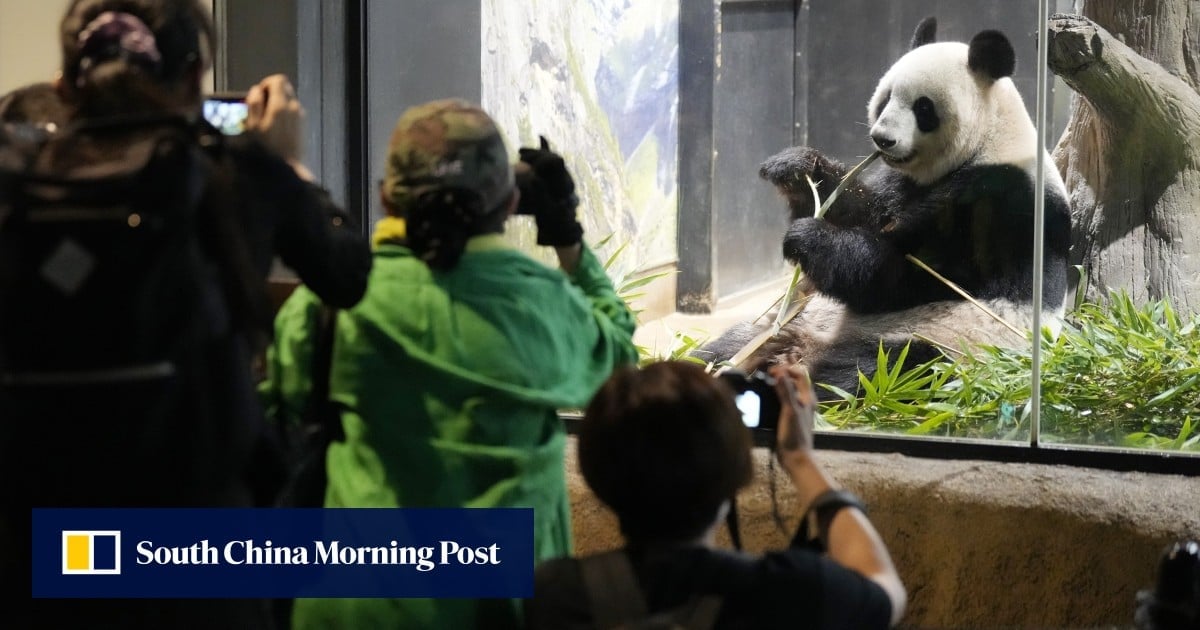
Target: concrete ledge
column 981, row 544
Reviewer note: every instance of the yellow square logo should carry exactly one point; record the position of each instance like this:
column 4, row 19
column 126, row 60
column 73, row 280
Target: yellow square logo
column 91, row 553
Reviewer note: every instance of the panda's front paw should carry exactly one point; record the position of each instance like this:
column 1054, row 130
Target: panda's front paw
column 790, row 169
column 804, row 239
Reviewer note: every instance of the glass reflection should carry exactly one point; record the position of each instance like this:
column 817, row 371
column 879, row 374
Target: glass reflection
column 1126, row 370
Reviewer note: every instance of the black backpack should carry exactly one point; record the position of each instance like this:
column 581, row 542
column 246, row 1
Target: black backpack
column 306, row 442
column 617, row 602
column 129, row 312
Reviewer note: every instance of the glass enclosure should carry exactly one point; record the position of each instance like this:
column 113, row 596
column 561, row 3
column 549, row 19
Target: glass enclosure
column 665, row 111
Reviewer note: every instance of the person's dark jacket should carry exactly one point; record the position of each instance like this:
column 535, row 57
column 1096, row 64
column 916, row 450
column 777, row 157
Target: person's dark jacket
column 300, row 223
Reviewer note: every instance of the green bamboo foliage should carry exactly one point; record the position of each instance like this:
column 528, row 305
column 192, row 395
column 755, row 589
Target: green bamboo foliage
column 1119, row 374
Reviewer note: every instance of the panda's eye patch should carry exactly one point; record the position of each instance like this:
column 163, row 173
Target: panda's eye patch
column 926, row 114
column 882, row 104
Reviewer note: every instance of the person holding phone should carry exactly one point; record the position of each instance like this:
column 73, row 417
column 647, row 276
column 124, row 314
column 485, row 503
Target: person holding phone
column 227, row 112
column 665, row 448
column 131, row 79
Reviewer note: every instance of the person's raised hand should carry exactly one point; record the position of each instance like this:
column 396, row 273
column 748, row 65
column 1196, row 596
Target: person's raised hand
column 548, row 193
column 798, row 406
column 276, row 116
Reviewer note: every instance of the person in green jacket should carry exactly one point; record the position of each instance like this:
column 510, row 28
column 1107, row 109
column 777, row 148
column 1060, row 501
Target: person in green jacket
column 450, row 372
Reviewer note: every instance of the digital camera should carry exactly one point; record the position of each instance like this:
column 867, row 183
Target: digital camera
column 756, row 398
column 524, row 179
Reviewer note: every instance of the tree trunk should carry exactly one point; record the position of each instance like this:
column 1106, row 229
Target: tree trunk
column 1130, row 156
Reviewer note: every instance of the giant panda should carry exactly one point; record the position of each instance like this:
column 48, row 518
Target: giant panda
column 954, row 188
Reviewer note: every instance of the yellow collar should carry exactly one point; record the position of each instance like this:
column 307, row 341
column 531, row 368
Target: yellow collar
column 394, row 230
column 389, row 230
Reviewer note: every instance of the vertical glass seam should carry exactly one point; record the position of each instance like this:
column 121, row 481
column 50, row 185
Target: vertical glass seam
column 1039, row 218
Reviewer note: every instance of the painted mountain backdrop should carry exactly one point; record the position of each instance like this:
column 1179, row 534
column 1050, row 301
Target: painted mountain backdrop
column 599, row 79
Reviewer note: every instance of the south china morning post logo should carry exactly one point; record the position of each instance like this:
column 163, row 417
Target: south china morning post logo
column 321, row 552
column 91, row 552
column 283, row 553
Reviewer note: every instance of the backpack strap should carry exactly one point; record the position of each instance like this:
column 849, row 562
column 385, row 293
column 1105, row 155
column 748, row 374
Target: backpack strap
column 317, row 411
column 612, row 589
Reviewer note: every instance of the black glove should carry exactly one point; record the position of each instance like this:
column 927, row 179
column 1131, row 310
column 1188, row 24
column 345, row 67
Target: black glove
column 548, row 193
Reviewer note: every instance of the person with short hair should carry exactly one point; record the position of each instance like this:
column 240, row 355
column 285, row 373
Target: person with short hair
column 665, row 448
column 449, row 374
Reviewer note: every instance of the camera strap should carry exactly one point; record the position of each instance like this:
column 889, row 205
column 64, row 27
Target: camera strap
column 731, row 522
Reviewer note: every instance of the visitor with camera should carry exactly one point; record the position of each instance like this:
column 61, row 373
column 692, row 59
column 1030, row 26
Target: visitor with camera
column 1173, row 603
column 666, row 448
column 134, row 249
column 447, row 377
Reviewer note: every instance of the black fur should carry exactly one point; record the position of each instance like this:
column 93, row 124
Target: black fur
column 990, row 53
column 975, row 227
column 926, row 33
column 926, row 114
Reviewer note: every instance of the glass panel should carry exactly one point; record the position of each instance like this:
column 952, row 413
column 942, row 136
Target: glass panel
column 1125, row 371
column 857, row 286
column 598, row 80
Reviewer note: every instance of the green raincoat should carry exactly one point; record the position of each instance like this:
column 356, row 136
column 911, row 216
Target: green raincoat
column 450, row 383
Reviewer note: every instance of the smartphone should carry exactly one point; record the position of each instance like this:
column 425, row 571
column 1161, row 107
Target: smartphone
column 227, row 112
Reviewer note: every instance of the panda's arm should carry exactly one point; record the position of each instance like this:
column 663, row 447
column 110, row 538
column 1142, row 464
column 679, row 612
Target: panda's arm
column 789, row 171
column 862, row 268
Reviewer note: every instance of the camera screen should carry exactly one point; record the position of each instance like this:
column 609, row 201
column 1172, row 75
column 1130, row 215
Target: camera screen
column 750, row 406
column 229, row 117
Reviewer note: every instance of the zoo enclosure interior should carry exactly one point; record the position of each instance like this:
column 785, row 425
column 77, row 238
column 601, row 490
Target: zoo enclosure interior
column 668, row 107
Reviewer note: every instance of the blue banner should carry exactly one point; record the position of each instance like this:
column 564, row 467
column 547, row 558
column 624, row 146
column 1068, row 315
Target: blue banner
column 281, row 553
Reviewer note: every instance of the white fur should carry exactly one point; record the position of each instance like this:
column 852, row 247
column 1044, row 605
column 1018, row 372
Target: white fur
column 949, row 323
column 982, row 120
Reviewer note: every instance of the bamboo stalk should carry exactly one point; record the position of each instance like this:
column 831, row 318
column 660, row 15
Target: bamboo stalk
column 756, row 343
column 816, row 195
column 785, row 315
column 845, row 180
column 967, row 296
column 787, row 301
column 768, row 310
column 945, row 349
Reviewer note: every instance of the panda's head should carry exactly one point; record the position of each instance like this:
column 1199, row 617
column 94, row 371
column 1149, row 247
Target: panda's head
column 938, row 104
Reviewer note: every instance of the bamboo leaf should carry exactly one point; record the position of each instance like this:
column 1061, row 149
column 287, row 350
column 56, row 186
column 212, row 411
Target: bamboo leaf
column 641, row 282
column 929, row 425
column 613, row 257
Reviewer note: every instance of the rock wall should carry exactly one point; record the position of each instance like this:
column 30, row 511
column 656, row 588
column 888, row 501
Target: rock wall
column 982, row 544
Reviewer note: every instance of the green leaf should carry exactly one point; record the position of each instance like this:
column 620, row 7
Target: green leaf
column 615, row 255
column 1081, row 290
column 1183, row 434
column 1171, row 392
column 641, row 282
column 929, row 425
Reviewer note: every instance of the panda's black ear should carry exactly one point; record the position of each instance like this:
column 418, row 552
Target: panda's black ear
column 990, row 53
column 926, row 32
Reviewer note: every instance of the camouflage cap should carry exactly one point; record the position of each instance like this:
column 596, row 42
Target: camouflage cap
column 446, row 143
